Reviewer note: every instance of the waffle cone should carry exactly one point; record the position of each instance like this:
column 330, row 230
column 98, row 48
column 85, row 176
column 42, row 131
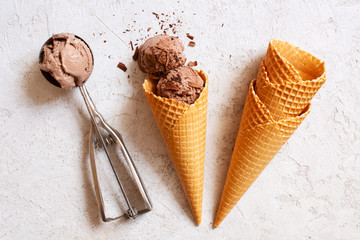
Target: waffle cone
column 277, row 102
column 286, row 63
column 289, row 99
column 183, row 128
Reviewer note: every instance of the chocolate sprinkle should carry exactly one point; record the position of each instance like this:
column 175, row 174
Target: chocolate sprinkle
column 122, row 66
column 192, row 64
column 192, row 44
column 189, row 36
column 136, row 54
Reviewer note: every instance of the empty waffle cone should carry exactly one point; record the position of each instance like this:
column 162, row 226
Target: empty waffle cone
column 183, row 128
column 276, row 104
column 259, row 138
column 285, row 63
column 287, row 99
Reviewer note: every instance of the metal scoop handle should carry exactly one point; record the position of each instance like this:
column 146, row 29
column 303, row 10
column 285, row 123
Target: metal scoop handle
column 97, row 123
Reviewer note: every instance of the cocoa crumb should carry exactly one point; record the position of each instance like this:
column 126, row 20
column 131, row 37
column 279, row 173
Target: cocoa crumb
column 104, row 41
column 136, row 54
column 149, row 29
column 189, row 36
column 192, row 44
column 192, row 64
column 122, row 66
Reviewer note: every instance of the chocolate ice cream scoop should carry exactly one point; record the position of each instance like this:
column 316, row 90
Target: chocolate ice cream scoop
column 182, row 84
column 68, row 59
column 160, row 54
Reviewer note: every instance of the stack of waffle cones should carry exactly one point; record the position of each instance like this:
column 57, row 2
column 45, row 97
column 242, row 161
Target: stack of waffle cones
column 277, row 102
column 183, row 128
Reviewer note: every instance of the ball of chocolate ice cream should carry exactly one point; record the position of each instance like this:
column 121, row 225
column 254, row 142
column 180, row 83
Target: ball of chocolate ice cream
column 182, row 84
column 160, row 54
column 68, row 59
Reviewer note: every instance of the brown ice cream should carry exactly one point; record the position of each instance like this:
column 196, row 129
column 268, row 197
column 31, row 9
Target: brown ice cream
column 68, row 59
column 160, row 54
column 182, row 84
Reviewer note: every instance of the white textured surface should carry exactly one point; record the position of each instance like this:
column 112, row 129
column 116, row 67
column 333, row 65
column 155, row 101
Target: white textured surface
column 311, row 190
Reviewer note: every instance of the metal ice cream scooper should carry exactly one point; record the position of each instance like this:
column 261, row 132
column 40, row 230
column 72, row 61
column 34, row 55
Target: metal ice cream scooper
column 67, row 61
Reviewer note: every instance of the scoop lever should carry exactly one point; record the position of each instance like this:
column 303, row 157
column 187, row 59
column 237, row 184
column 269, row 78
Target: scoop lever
column 99, row 125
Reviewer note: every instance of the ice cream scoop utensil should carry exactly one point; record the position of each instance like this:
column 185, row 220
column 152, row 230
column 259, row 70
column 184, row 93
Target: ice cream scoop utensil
column 101, row 133
column 98, row 138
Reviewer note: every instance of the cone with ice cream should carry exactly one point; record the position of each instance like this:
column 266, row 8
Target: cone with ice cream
column 178, row 96
column 278, row 101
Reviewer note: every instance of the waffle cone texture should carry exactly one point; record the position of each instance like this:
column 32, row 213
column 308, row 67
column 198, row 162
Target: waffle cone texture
column 278, row 101
column 183, row 128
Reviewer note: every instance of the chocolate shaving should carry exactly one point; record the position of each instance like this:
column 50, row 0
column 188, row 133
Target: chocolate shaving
column 191, row 84
column 136, row 54
column 132, row 46
column 122, row 66
column 192, row 64
column 167, row 55
column 189, row 36
column 167, row 59
column 154, row 77
column 192, row 44
column 186, row 92
column 171, row 86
